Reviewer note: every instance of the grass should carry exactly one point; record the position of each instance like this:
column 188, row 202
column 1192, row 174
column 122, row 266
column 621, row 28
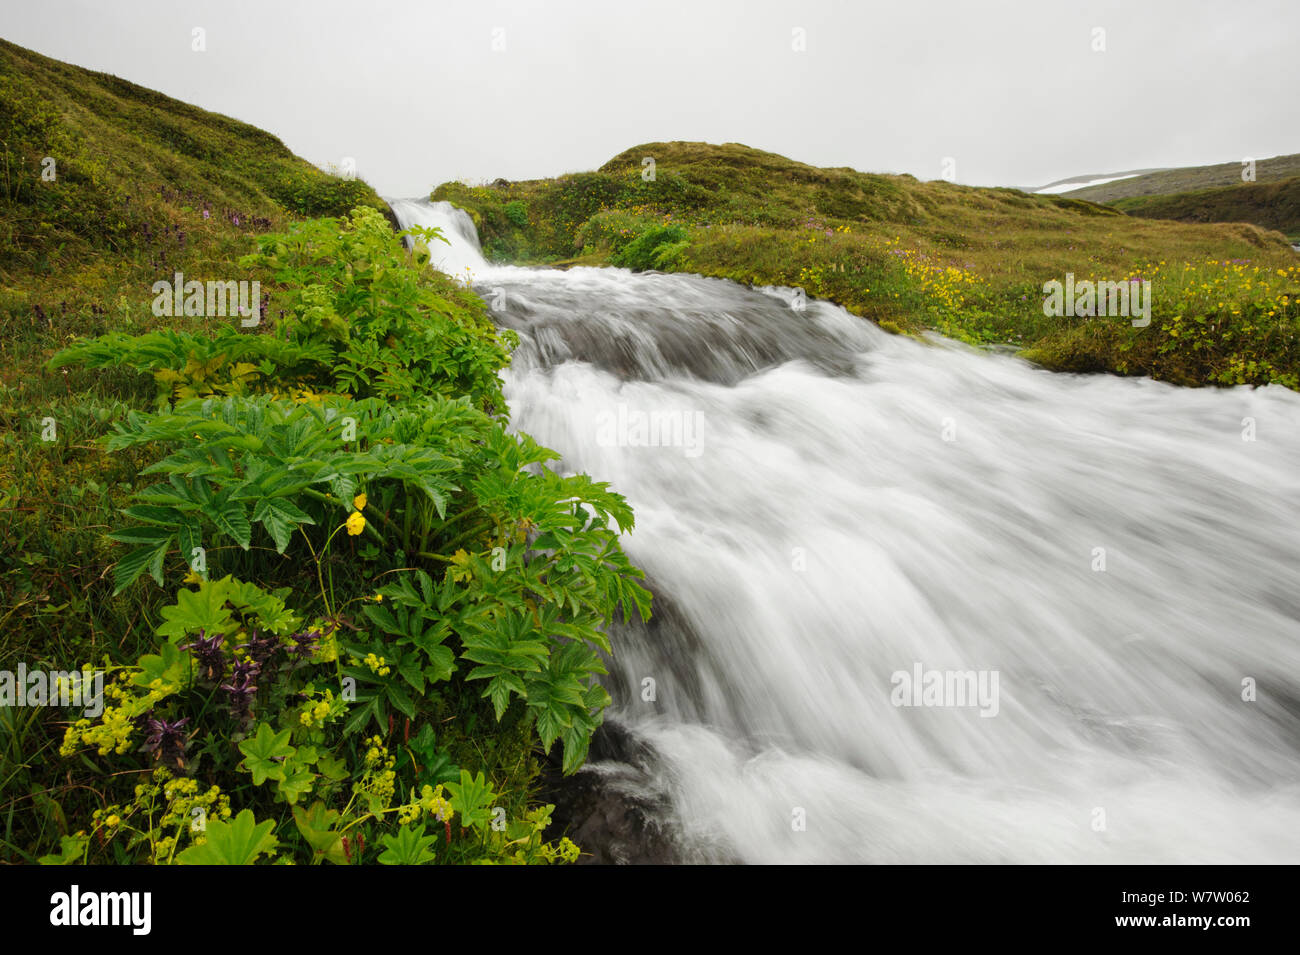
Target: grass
column 1189, row 179
column 1269, row 205
column 143, row 186
column 916, row 256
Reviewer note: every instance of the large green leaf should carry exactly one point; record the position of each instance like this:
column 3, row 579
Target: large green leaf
column 472, row 799
column 280, row 516
column 134, row 563
column 265, row 753
column 231, row 518
column 202, row 609
column 239, row 842
column 407, row 846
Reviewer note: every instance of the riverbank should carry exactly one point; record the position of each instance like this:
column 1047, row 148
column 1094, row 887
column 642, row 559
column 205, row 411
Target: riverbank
column 259, row 623
column 915, row 257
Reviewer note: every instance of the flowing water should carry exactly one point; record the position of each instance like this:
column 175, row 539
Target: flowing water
column 823, row 508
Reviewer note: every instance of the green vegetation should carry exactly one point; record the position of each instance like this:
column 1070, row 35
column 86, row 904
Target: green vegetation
column 132, row 170
column 1269, row 205
column 915, row 256
column 1189, row 179
column 292, row 671
column 656, row 247
column 341, row 610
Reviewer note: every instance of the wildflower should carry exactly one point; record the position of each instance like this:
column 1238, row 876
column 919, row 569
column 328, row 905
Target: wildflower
column 207, row 652
column 166, row 740
column 356, row 523
column 242, row 686
column 568, row 850
column 305, row 643
column 260, row 648
column 359, row 502
column 433, row 801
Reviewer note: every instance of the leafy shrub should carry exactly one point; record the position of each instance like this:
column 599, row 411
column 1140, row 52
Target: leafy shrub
column 357, row 318
column 317, row 194
column 313, row 703
column 654, row 247
column 397, row 331
column 517, row 213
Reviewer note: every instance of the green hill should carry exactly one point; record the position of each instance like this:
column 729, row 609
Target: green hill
column 94, row 163
column 916, row 256
column 334, row 456
column 1269, row 205
column 1188, row 179
column 105, row 186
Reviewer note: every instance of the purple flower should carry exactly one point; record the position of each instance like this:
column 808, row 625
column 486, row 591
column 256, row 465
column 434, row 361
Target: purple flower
column 242, row 686
column 305, row 643
column 166, row 740
column 260, row 648
column 208, row 655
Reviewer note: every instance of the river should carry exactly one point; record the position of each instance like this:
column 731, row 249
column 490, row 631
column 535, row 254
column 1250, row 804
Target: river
column 1096, row 576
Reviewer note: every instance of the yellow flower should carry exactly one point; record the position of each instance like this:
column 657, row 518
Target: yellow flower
column 359, row 502
column 356, row 523
column 192, row 578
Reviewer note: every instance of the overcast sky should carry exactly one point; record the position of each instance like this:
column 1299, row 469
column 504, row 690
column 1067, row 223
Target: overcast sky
column 422, row 92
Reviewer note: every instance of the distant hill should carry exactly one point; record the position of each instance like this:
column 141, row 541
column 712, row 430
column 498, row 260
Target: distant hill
column 1075, row 183
column 1187, row 179
column 1270, row 205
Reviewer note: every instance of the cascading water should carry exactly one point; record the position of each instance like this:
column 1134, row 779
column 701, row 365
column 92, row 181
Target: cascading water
column 835, row 506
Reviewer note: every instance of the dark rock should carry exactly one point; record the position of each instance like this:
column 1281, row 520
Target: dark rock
column 612, row 808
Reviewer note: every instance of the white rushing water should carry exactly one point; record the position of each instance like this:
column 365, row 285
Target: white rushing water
column 842, row 505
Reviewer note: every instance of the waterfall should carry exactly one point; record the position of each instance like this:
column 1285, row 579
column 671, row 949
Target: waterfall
column 917, row 602
column 461, row 255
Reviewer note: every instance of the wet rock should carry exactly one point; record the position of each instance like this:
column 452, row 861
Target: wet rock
column 611, row 808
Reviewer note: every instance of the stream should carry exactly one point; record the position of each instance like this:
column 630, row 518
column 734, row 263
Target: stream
column 914, row 602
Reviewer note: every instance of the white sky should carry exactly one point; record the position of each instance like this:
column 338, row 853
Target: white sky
column 1010, row 89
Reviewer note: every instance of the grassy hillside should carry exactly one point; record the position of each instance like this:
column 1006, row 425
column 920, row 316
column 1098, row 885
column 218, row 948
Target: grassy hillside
column 144, row 186
column 263, row 607
column 915, row 256
column 1188, row 179
column 127, row 161
column 1270, row 205
column 106, row 186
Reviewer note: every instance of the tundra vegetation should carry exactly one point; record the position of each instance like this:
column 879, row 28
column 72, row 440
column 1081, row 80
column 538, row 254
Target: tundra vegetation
column 915, row 257
column 341, row 612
